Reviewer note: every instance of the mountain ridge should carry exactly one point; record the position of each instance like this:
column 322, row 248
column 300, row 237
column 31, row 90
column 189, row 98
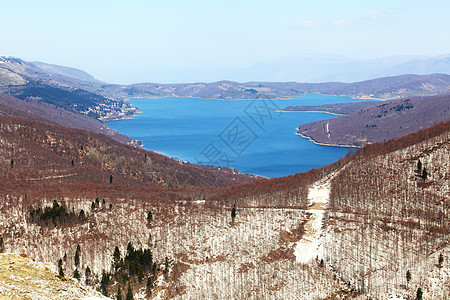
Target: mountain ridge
column 379, row 123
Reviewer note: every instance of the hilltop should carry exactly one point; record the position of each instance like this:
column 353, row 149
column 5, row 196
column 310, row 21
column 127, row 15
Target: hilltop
column 23, row 278
column 380, row 122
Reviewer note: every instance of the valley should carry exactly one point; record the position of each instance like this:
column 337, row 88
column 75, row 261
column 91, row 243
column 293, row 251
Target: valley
column 104, row 216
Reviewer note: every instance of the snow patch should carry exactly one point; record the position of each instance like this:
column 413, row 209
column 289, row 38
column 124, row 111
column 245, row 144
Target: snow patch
column 311, row 244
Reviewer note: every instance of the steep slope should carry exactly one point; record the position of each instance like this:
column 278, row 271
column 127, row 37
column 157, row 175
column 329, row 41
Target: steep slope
column 379, row 220
column 380, row 123
column 38, row 152
column 387, row 217
column 22, row 278
column 37, row 110
column 25, row 80
column 65, row 71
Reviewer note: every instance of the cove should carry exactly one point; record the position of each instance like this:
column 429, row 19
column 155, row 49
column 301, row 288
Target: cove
column 249, row 135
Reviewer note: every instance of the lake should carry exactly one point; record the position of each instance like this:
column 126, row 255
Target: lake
column 249, row 135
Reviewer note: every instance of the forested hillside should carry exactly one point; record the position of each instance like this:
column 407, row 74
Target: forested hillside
column 389, row 215
column 385, row 121
column 383, row 218
column 37, row 153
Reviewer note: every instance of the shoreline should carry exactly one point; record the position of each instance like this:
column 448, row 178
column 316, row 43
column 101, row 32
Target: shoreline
column 191, row 97
column 324, row 144
column 138, row 111
column 310, row 111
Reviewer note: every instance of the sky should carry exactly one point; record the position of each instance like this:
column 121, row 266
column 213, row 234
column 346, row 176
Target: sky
column 125, row 41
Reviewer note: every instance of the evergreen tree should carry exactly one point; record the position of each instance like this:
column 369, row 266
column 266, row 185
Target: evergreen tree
column 441, row 260
column 110, row 178
column 87, row 274
column 419, row 166
column 130, row 249
column 419, row 294
column 408, row 276
column 60, row 268
column 424, row 174
column 149, row 216
column 76, row 274
column 72, row 163
column 129, row 292
column 116, row 257
column 233, row 214
column 166, row 265
column 77, row 259
column 104, row 283
column 119, row 293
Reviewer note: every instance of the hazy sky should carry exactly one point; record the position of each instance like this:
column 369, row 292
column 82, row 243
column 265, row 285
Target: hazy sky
column 124, row 40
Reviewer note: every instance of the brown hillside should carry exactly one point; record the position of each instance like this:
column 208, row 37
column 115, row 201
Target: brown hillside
column 32, row 151
column 380, row 123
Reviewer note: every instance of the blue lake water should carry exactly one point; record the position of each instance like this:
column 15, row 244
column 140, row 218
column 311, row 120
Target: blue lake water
column 247, row 135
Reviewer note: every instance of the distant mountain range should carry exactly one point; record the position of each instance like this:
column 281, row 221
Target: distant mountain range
column 305, row 68
column 326, row 68
column 22, row 79
column 382, row 88
column 72, row 98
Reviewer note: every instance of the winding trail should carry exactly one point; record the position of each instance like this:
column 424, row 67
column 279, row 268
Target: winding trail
column 311, row 244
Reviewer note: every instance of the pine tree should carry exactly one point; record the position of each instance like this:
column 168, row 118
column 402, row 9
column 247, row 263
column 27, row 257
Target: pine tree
column 129, row 292
column 60, row 269
column 408, row 276
column 233, row 214
column 87, row 274
column 441, row 260
column 110, row 178
column 166, row 265
column 76, row 274
column 419, row 294
column 104, row 283
column 149, row 216
column 77, row 259
column 116, row 257
column 424, row 174
column 419, row 166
